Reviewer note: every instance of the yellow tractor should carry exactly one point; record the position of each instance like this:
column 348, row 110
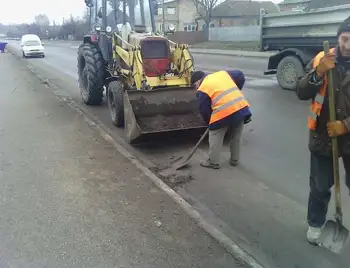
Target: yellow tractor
column 146, row 78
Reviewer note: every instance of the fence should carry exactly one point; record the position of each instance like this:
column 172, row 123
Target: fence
column 189, row 38
column 234, row 34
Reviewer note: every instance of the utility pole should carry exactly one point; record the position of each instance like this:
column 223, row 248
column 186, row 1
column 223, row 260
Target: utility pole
column 163, row 16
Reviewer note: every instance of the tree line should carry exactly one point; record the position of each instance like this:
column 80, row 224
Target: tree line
column 71, row 28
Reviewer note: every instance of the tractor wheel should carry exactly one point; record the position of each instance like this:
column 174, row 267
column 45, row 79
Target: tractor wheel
column 91, row 73
column 115, row 94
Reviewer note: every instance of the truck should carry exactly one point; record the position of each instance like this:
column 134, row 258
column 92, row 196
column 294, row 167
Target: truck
column 297, row 37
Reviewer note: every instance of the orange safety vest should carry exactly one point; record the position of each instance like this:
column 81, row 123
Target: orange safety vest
column 317, row 102
column 226, row 97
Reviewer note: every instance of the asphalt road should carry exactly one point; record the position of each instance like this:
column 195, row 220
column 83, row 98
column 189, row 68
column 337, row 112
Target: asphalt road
column 262, row 203
column 69, row 199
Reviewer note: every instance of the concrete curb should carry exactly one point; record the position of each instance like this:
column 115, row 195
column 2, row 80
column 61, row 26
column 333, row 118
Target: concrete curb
column 233, row 248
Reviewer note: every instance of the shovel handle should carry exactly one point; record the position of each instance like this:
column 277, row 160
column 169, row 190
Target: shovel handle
column 335, row 154
column 197, row 145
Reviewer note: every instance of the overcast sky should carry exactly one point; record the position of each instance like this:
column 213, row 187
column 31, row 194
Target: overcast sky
column 24, row 11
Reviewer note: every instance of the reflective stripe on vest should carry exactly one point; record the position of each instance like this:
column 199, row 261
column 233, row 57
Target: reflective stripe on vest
column 317, row 102
column 226, row 98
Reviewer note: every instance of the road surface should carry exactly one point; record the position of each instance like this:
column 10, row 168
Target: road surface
column 68, row 199
column 261, row 204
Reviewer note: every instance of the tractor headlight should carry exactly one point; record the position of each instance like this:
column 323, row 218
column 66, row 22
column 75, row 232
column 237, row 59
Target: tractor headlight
column 171, row 28
column 97, row 27
column 108, row 29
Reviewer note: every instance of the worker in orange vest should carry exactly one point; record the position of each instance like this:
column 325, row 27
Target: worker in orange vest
column 313, row 86
column 224, row 108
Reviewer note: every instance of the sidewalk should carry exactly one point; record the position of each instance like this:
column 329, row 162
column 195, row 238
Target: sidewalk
column 68, row 199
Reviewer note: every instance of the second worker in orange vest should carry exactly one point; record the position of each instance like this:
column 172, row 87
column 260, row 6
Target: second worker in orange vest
column 225, row 109
column 313, row 86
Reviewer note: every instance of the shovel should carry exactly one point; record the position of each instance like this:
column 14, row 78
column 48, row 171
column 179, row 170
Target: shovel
column 179, row 165
column 334, row 234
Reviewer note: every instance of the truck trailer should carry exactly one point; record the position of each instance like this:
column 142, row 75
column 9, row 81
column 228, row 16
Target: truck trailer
column 298, row 36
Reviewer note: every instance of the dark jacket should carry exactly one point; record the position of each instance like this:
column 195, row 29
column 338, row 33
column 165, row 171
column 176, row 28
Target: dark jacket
column 205, row 105
column 308, row 87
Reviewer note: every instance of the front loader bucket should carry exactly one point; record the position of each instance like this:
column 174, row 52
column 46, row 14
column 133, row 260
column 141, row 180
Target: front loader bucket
column 152, row 115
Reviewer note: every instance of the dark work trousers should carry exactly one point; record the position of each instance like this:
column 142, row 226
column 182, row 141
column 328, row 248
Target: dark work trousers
column 321, row 182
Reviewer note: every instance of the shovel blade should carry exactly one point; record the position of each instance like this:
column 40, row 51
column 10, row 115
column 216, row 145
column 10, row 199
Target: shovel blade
column 182, row 165
column 333, row 237
column 179, row 163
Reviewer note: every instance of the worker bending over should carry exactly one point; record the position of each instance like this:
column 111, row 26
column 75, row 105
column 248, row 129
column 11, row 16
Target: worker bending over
column 224, row 108
column 313, row 86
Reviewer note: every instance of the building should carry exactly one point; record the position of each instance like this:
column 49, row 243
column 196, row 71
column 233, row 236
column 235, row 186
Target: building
column 184, row 16
column 239, row 13
column 296, row 5
column 293, row 5
column 314, row 4
column 180, row 13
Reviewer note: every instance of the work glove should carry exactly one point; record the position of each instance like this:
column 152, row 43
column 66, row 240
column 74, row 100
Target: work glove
column 336, row 128
column 327, row 62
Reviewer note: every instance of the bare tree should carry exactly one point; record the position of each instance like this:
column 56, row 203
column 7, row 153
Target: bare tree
column 74, row 28
column 131, row 4
column 204, row 10
column 116, row 5
column 42, row 21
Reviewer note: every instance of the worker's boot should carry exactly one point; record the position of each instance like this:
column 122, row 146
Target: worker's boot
column 313, row 234
column 209, row 164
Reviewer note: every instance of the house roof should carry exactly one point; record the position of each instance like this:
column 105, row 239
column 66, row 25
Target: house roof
column 326, row 3
column 289, row 2
column 232, row 8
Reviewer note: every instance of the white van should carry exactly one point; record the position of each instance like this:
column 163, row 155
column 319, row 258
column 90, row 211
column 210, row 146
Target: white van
column 32, row 46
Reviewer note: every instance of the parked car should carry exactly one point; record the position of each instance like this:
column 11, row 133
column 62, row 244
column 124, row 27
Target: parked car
column 32, row 46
